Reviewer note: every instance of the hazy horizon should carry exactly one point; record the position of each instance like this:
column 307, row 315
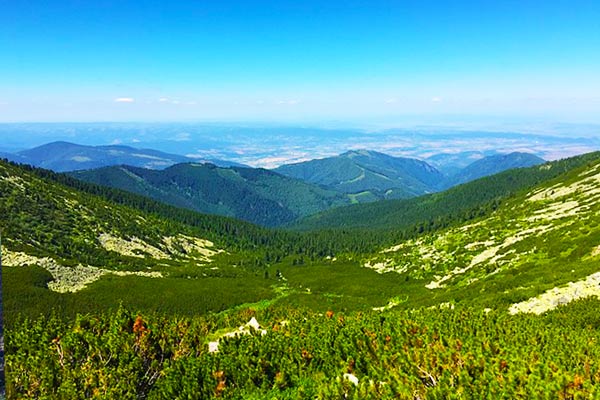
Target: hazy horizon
column 269, row 146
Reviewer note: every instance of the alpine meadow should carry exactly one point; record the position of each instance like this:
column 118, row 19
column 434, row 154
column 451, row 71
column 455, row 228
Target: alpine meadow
column 299, row 200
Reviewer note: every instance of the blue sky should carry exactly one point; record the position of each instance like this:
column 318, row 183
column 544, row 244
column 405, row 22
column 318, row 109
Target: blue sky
column 298, row 60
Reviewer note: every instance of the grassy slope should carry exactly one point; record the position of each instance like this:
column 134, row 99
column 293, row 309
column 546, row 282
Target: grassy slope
column 536, row 240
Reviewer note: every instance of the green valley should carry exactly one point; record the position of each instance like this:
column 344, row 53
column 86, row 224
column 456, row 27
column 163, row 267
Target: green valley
column 159, row 301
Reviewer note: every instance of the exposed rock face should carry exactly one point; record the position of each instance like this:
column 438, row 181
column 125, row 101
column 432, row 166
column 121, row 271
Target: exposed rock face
column 67, row 279
column 178, row 246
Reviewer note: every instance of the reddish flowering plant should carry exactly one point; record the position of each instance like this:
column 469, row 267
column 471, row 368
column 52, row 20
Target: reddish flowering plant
column 139, row 326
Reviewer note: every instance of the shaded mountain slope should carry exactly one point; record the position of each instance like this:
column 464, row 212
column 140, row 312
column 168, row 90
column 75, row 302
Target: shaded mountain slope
column 451, row 163
column 494, row 164
column 256, row 195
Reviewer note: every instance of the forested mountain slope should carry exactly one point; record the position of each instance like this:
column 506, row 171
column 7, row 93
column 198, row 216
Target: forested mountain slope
column 451, row 163
column 69, row 250
column 43, row 219
column 256, row 195
column 87, row 247
column 368, row 174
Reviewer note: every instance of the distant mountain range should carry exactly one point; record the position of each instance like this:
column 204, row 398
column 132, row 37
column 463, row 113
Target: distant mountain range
column 369, row 174
column 451, row 163
column 493, row 164
column 65, row 156
column 256, row 195
column 269, row 198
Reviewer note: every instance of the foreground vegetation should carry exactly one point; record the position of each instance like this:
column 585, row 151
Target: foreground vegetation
column 426, row 353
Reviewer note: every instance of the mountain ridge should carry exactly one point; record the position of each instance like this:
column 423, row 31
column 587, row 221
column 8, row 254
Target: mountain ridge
column 62, row 156
column 493, row 164
column 358, row 171
column 75, row 236
column 255, row 195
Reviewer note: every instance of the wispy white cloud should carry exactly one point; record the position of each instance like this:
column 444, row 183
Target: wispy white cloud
column 182, row 137
column 124, row 100
column 116, row 141
column 391, row 100
column 436, row 99
column 289, row 102
column 167, row 100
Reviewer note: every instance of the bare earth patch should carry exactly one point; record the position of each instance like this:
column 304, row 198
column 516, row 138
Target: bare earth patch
column 489, row 256
column 385, row 266
column 588, row 185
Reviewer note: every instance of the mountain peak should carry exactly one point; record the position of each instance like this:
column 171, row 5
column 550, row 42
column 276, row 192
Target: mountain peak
column 56, row 144
column 368, row 174
column 359, row 152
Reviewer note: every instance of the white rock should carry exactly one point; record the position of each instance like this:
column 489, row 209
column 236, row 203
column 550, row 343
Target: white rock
column 253, row 323
column 213, row 347
column 352, row 378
